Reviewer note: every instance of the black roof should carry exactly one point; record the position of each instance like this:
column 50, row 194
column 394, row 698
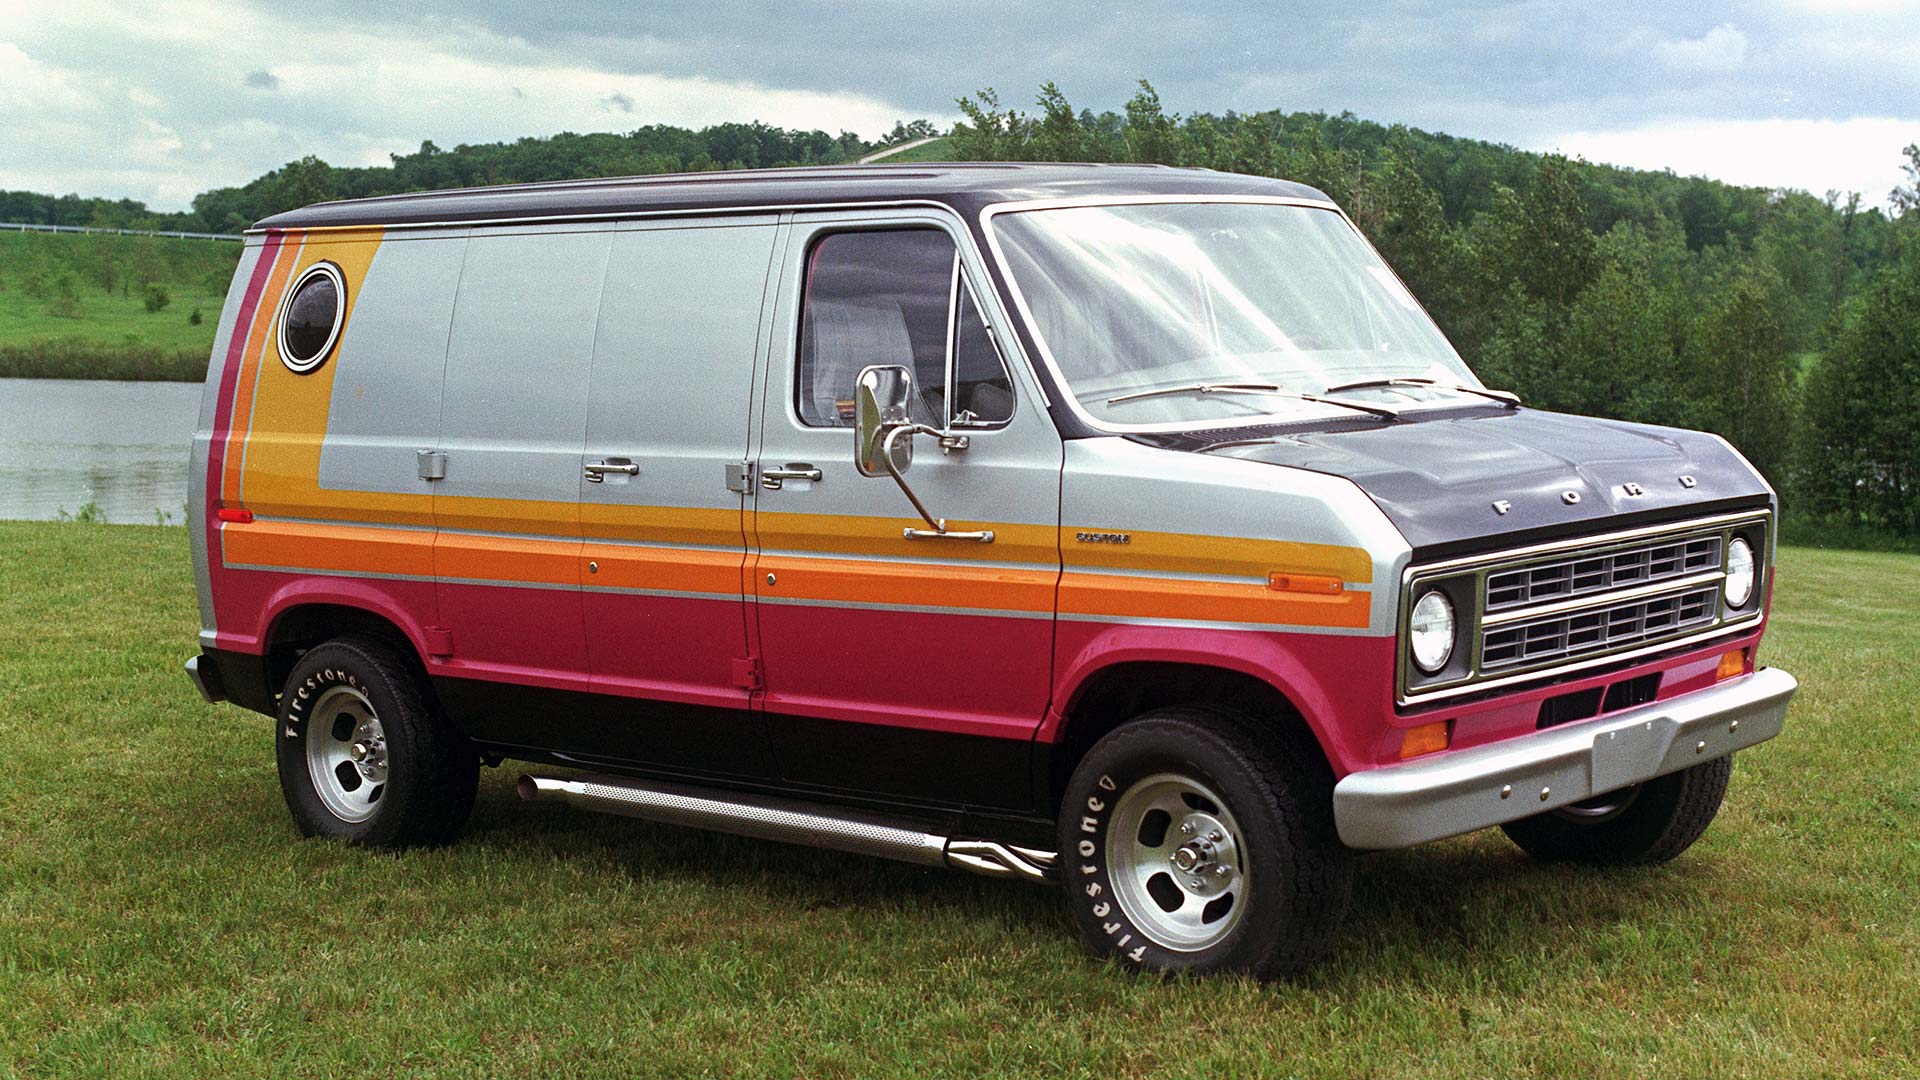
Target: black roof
column 966, row 186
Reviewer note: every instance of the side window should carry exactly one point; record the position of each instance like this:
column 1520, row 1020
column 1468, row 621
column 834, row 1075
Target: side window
column 982, row 392
column 896, row 297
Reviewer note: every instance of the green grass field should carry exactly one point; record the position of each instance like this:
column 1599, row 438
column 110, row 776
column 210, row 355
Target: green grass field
column 159, row 915
column 73, row 306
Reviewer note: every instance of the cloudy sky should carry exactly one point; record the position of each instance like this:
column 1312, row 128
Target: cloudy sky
column 158, row 101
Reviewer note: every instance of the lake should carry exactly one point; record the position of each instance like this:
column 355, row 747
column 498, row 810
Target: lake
column 121, row 446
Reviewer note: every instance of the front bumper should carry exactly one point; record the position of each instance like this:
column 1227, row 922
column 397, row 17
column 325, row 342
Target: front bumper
column 1463, row 790
column 206, row 678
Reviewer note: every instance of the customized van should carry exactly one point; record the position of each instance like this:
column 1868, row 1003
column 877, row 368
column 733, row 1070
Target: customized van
column 1127, row 528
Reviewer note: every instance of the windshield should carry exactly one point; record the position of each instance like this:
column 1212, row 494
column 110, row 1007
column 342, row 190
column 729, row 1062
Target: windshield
column 1135, row 298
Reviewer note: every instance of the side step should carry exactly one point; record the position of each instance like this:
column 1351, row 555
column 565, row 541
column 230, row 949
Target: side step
column 788, row 822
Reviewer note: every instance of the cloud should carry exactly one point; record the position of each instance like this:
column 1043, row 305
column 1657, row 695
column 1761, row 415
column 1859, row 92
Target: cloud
column 1722, row 48
column 359, row 80
column 134, row 99
column 1860, row 154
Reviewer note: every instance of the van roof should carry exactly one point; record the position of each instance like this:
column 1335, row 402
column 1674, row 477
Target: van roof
column 966, row 186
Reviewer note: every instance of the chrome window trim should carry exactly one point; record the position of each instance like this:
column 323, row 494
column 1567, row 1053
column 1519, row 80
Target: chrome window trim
column 993, row 210
column 1479, row 566
column 810, row 230
column 331, row 272
column 610, row 215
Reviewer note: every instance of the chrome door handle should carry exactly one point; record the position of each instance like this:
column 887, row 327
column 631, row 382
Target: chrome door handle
column 982, row 536
column 596, row 471
column 771, row 476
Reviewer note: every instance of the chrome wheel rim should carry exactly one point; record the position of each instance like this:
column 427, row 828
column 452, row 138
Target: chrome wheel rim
column 1176, row 859
column 346, row 753
column 1601, row 807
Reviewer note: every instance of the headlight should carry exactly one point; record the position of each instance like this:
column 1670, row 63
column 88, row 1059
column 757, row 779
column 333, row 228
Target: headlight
column 1430, row 632
column 1740, row 573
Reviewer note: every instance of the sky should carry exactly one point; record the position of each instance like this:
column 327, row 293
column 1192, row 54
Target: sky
column 159, row 101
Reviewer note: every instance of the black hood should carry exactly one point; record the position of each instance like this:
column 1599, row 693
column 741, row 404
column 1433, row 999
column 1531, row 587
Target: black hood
column 1438, row 476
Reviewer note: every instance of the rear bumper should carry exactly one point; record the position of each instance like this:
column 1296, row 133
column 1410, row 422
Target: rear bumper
column 1463, row 790
column 206, row 678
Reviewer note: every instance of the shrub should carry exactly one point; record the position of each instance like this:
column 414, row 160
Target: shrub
column 156, row 298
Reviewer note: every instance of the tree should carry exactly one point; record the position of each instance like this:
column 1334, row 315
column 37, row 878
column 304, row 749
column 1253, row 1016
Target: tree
column 1859, row 454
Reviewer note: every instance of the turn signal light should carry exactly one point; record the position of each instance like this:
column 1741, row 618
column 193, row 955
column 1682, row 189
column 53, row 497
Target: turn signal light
column 1317, row 584
column 235, row 514
column 1426, row 739
column 1731, row 664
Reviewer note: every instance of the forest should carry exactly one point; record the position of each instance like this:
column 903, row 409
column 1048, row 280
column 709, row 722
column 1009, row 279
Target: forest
column 1786, row 321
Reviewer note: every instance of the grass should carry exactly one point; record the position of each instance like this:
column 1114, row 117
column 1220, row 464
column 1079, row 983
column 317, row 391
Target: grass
column 74, row 306
column 159, row 915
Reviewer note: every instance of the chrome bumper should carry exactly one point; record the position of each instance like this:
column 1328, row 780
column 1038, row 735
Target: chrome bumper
column 1463, row 790
column 206, row 679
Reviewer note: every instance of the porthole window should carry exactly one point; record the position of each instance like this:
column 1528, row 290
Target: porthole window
column 310, row 317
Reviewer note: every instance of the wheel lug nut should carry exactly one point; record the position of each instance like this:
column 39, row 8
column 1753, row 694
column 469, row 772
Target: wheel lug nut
column 1198, row 884
column 1216, row 836
column 1186, row 828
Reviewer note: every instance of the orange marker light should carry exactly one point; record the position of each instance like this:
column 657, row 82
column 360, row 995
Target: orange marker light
column 1731, row 664
column 234, row 514
column 1316, row 584
column 1426, row 739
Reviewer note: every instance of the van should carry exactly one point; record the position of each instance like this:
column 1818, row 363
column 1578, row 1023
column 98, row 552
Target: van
column 1123, row 528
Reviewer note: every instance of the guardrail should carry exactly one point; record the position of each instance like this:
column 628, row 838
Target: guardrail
column 27, row 226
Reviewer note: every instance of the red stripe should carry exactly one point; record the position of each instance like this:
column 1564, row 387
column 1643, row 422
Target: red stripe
column 229, row 381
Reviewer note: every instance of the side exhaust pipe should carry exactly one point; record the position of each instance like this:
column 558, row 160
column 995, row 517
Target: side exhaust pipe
column 788, row 822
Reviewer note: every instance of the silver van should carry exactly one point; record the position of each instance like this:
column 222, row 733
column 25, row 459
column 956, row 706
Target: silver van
column 1123, row 528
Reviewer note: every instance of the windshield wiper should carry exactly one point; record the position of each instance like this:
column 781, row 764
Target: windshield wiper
column 1510, row 400
column 1266, row 389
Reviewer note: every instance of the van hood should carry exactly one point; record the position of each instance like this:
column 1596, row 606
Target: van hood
column 1451, row 479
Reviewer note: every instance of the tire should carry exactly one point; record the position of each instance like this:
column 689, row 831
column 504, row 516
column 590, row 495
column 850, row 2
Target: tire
column 413, row 781
column 1649, row 823
column 1266, row 811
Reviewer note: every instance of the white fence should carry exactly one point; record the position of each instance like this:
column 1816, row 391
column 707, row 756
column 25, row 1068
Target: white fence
column 22, row 226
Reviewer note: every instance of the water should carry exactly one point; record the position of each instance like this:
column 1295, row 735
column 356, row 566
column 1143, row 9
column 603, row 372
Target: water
column 121, row 446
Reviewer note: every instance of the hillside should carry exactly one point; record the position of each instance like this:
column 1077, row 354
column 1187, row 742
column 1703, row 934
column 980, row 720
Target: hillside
column 105, row 306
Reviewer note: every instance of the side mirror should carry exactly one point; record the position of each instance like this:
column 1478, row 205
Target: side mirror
column 883, row 431
column 882, row 402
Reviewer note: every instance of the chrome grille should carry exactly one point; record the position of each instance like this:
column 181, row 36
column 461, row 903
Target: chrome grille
column 1567, row 578
column 1554, row 637
column 1569, row 605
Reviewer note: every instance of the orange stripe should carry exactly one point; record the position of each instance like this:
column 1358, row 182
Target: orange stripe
column 509, row 560
column 664, row 569
column 836, row 534
column 349, row 549
column 664, row 524
column 1206, row 601
column 1191, row 553
column 855, row 581
column 284, row 259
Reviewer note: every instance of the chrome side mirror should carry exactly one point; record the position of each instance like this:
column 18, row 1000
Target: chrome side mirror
column 882, row 403
column 883, row 434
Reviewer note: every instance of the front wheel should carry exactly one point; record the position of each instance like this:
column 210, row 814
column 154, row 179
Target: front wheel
column 1192, row 840
column 363, row 757
column 1650, row 822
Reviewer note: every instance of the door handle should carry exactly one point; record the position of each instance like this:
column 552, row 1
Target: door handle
column 596, row 471
column 770, row 477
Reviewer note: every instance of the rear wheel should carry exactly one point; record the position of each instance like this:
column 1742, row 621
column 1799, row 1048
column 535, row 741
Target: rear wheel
column 362, row 756
column 1650, row 822
column 1192, row 840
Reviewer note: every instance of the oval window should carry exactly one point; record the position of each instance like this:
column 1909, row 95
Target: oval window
column 310, row 317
